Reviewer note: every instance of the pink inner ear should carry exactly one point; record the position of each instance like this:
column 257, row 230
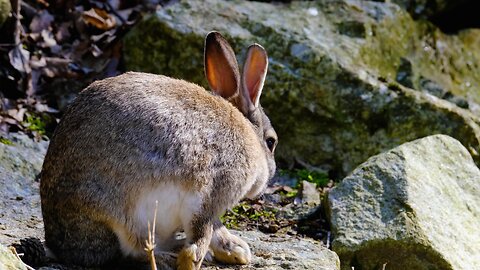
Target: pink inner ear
column 221, row 68
column 254, row 72
column 253, row 85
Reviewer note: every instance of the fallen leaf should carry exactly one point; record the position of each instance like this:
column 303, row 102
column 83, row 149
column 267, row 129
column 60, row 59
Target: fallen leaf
column 19, row 59
column 63, row 32
column 17, row 114
column 37, row 62
column 40, row 107
column 48, row 39
column 41, row 21
column 98, row 18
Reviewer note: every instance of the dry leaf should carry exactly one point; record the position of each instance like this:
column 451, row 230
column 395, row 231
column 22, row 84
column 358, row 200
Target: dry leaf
column 19, row 59
column 48, row 39
column 39, row 107
column 37, row 62
column 63, row 33
column 98, row 18
column 41, row 21
column 17, row 114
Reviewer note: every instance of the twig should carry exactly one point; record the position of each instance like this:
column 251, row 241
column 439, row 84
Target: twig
column 150, row 242
column 329, row 235
column 14, row 251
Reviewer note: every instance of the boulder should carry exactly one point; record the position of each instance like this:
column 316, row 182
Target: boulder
column 347, row 79
column 21, row 160
column 416, row 206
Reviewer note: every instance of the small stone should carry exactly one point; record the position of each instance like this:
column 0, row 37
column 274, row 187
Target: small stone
column 310, row 194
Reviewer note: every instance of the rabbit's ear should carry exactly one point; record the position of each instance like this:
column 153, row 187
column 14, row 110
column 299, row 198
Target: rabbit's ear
column 254, row 72
column 221, row 68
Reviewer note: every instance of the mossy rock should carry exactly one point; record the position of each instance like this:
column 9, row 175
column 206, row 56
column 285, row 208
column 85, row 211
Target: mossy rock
column 331, row 91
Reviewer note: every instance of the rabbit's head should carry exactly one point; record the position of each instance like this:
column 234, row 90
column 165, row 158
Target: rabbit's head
column 243, row 91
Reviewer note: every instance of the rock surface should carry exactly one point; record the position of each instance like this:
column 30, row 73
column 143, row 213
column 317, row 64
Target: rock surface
column 20, row 215
column 8, row 261
column 414, row 207
column 20, row 162
column 340, row 75
column 285, row 252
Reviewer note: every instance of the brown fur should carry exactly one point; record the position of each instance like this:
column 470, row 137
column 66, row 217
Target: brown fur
column 123, row 136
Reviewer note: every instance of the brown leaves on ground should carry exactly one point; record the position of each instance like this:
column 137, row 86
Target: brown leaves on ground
column 52, row 49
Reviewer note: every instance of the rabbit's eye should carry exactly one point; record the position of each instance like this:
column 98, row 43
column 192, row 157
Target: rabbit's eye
column 270, row 143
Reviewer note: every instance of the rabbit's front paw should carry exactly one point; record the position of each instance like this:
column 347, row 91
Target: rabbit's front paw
column 187, row 258
column 229, row 248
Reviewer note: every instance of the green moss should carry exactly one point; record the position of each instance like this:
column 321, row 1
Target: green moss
column 6, row 141
column 170, row 53
column 449, row 61
column 389, row 41
column 40, row 123
column 319, row 178
column 238, row 216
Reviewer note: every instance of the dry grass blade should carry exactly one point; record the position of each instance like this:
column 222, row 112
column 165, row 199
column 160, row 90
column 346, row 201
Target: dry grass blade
column 150, row 242
column 14, row 251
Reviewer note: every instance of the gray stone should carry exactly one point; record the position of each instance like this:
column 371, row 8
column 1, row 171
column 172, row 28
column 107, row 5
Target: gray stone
column 8, row 261
column 310, row 194
column 416, row 206
column 331, row 90
column 21, row 160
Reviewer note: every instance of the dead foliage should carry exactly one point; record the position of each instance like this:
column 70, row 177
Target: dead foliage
column 52, row 49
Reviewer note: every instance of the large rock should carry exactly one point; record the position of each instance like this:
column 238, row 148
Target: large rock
column 21, row 160
column 332, row 91
column 414, row 207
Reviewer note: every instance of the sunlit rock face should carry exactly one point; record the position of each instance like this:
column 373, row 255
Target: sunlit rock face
column 413, row 207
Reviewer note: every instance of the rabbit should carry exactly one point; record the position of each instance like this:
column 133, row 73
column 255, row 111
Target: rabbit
column 131, row 140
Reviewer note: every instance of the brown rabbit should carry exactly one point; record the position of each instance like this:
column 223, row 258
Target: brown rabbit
column 131, row 140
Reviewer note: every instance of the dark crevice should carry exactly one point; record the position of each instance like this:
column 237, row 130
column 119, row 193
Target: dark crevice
column 462, row 16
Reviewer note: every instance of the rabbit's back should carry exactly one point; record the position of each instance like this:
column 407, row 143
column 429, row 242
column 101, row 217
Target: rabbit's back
column 123, row 134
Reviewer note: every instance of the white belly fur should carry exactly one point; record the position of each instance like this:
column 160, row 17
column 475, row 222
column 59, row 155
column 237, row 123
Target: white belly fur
column 175, row 210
